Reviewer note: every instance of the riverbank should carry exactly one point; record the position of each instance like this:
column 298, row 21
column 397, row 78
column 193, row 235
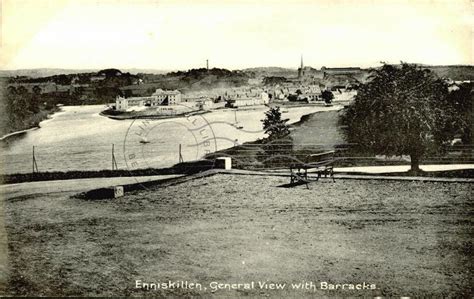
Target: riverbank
column 17, row 133
column 152, row 114
column 28, row 124
column 146, row 114
column 287, row 104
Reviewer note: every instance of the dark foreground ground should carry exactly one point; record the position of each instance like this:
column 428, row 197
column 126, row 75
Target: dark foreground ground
column 407, row 238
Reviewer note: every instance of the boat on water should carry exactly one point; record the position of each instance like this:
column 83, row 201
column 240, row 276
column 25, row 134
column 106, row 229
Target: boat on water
column 236, row 123
column 144, row 140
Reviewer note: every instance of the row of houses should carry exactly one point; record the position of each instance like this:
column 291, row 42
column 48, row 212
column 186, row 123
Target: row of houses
column 199, row 100
column 310, row 92
column 234, row 96
column 221, row 97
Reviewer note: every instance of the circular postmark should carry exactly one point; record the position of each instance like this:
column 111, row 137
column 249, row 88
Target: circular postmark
column 178, row 140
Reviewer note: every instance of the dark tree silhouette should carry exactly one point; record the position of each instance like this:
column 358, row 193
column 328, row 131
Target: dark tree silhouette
column 327, row 96
column 36, row 90
column 402, row 110
column 278, row 146
column 109, row 73
column 292, row 98
column 274, row 125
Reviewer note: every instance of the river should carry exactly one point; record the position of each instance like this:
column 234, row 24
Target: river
column 78, row 138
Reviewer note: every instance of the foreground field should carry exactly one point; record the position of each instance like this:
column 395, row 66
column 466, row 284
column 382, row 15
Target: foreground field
column 406, row 238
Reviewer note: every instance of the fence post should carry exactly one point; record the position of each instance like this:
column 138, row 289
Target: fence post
column 181, row 160
column 114, row 162
column 35, row 165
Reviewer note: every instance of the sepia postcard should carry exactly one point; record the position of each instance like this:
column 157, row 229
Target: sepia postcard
column 237, row 148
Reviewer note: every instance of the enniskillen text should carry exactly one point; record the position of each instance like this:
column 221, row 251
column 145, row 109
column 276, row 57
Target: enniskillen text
column 253, row 285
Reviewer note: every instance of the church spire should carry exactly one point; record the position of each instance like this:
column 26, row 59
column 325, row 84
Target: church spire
column 300, row 70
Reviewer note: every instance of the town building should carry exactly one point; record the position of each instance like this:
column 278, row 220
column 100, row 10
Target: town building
column 311, row 92
column 166, row 97
column 158, row 98
column 250, row 100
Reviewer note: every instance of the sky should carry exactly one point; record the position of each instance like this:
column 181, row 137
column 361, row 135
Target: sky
column 179, row 35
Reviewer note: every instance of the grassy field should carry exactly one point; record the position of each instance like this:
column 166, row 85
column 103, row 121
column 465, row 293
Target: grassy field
column 407, row 238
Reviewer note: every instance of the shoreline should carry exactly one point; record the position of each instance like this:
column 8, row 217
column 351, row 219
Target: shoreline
column 35, row 127
column 284, row 106
column 155, row 117
column 17, row 133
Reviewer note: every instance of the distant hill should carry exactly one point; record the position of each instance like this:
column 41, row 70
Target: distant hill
column 135, row 71
column 47, row 72
column 455, row 72
column 190, row 80
column 271, row 71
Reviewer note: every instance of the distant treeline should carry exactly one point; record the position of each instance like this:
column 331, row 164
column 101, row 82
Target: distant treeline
column 191, row 80
column 105, row 85
column 80, row 78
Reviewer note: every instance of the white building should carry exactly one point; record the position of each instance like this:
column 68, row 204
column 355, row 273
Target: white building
column 158, row 98
column 166, row 97
column 262, row 99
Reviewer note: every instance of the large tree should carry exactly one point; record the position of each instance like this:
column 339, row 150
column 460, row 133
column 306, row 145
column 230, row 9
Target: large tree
column 401, row 110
